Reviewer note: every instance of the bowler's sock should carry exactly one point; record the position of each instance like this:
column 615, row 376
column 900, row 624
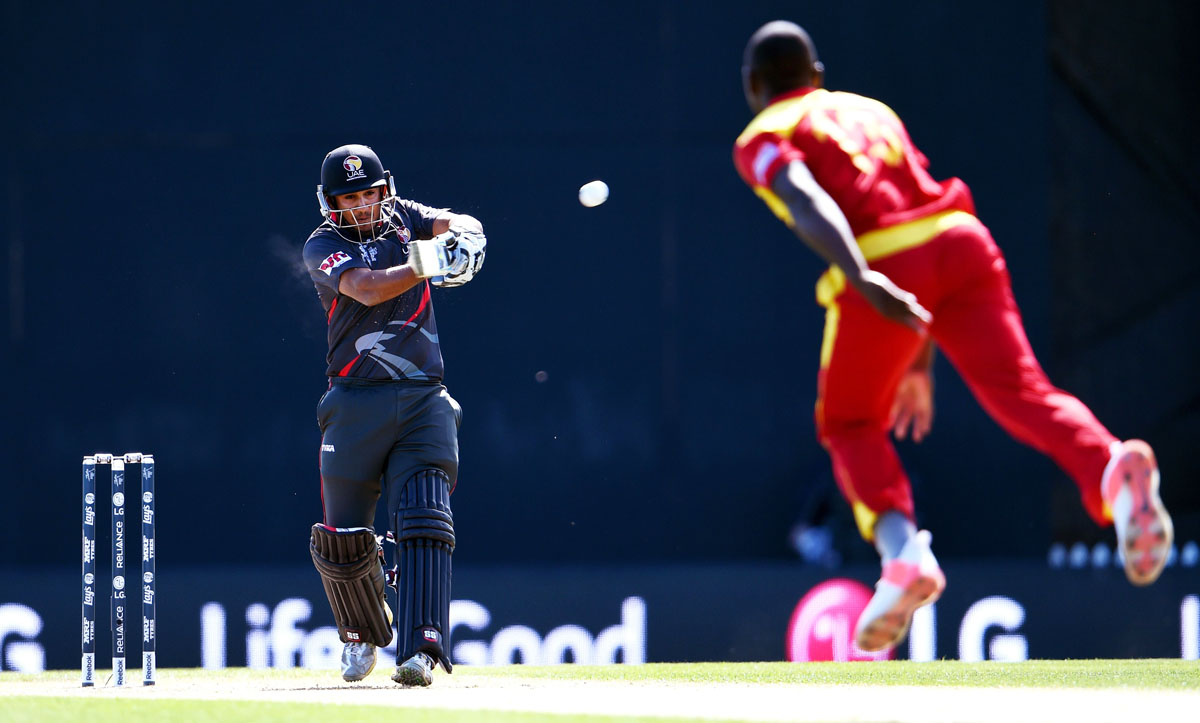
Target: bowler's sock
column 892, row 530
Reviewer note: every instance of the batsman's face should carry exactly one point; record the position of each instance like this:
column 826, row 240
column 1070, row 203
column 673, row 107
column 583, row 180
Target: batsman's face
column 362, row 205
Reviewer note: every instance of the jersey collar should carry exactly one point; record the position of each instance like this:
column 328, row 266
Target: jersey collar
column 797, row 93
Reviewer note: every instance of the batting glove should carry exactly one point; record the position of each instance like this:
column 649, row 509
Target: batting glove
column 465, row 254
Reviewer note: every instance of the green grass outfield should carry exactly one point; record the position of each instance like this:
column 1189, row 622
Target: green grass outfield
column 186, row 704
column 1142, row 673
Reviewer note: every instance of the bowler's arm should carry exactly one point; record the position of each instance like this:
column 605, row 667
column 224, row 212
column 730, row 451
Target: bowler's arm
column 818, row 221
column 820, row 224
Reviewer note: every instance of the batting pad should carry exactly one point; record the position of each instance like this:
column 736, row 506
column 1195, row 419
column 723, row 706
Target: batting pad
column 348, row 560
column 424, row 529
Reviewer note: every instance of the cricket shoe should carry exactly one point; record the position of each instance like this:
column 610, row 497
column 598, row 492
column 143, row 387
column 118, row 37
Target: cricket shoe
column 358, row 660
column 909, row 581
column 1144, row 529
column 416, row 671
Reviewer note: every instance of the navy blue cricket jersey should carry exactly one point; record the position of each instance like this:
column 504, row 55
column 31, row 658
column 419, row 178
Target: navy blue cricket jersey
column 395, row 339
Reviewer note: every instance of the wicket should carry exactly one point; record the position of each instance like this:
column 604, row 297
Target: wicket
column 118, row 599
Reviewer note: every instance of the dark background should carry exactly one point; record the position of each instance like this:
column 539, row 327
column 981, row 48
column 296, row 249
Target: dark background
column 159, row 182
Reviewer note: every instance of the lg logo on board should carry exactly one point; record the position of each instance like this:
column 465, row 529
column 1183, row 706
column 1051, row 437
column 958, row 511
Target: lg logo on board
column 822, row 627
column 822, row 624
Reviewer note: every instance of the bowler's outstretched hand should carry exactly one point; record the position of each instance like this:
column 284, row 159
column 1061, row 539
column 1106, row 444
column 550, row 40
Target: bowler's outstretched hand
column 912, row 408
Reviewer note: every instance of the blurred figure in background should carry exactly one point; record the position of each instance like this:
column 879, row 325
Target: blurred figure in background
column 911, row 265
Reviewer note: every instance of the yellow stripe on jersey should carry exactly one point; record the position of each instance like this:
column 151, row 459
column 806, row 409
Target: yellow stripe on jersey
column 874, row 246
column 776, row 204
column 782, row 118
column 893, row 239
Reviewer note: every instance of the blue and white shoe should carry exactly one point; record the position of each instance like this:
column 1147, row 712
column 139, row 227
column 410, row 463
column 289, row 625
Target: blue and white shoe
column 358, row 660
column 414, row 672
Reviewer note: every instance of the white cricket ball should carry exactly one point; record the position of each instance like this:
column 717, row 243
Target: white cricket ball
column 593, row 193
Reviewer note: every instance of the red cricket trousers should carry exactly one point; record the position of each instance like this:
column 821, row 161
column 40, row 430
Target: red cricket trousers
column 961, row 277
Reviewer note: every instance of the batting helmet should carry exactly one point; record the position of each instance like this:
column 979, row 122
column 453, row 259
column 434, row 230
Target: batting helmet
column 351, row 168
column 348, row 169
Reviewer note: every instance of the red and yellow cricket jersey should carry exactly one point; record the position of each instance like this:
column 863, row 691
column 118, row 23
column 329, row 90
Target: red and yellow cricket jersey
column 858, row 151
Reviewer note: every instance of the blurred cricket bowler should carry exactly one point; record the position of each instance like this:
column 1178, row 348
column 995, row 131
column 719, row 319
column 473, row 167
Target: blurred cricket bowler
column 910, row 267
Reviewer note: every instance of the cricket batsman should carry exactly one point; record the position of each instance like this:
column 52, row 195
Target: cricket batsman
column 388, row 425
column 911, row 266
